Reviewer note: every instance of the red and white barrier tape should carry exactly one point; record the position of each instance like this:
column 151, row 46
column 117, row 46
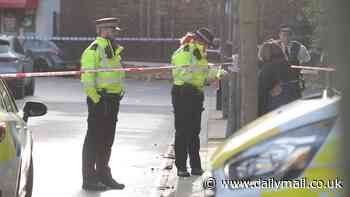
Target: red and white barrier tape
column 75, row 38
column 78, row 72
column 231, row 68
column 328, row 68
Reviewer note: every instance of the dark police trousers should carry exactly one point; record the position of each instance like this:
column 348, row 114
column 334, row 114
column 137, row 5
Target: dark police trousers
column 188, row 106
column 99, row 138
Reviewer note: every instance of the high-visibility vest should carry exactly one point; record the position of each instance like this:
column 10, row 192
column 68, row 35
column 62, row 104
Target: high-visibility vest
column 99, row 55
column 7, row 147
column 191, row 66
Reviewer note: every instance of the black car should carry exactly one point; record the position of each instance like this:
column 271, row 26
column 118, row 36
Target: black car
column 13, row 59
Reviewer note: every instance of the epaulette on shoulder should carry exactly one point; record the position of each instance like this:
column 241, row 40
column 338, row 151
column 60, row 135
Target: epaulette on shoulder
column 187, row 48
column 94, row 46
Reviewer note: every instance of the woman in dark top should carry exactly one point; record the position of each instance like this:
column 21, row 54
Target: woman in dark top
column 273, row 78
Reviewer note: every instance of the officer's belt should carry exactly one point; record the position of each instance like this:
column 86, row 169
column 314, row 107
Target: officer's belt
column 104, row 93
column 188, row 88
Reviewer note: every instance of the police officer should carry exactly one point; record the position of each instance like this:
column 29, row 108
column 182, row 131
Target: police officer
column 104, row 91
column 189, row 75
column 296, row 54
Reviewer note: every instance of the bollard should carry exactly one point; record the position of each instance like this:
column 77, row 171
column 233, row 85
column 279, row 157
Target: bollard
column 233, row 120
column 225, row 96
column 219, row 97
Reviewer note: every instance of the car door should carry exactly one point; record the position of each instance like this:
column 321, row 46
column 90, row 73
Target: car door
column 15, row 146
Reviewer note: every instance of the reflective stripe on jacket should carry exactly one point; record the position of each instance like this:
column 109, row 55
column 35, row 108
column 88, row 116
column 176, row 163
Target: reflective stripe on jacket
column 7, row 147
column 191, row 66
column 101, row 54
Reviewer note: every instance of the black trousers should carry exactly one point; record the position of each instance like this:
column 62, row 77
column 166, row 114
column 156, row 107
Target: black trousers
column 188, row 106
column 99, row 138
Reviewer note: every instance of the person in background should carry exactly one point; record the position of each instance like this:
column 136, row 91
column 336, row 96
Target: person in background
column 296, row 54
column 273, row 88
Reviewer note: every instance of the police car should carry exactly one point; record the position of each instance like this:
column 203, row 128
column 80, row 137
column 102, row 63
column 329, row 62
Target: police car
column 297, row 143
column 16, row 164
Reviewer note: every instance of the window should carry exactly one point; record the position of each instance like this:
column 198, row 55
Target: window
column 29, row 21
column 44, row 45
column 39, row 45
column 9, row 21
column 31, row 44
column 4, row 46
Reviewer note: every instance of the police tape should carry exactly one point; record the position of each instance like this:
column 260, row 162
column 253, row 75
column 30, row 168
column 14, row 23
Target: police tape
column 80, row 38
column 328, row 68
column 79, row 72
column 227, row 66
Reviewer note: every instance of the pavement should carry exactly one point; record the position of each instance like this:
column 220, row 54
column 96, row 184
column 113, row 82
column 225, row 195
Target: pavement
column 143, row 153
column 212, row 135
column 144, row 132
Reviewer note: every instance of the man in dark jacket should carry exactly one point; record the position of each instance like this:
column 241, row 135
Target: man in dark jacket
column 272, row 78
column 296, row 54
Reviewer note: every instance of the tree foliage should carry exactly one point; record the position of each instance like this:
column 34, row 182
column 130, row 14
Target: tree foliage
column 313, row 11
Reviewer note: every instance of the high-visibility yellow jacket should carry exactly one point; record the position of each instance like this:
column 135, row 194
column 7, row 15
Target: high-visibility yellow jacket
column 191, row 66
column 99, row 55
column 7, row 147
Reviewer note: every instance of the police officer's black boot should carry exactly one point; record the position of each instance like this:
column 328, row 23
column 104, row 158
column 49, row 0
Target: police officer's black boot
column 90, row 179
column 93, row 184
column 197, row 172
column 111, row 183
column 97, row 186
column 182, row 173
column 105, row 176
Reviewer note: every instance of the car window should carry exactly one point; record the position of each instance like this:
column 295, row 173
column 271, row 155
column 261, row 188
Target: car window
column 36, row 44
column 25, row 44
column 18, row 47
column 45, row 44
column 7, row 98
column 52, row 45
column 4, row 46
column 57, row 59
